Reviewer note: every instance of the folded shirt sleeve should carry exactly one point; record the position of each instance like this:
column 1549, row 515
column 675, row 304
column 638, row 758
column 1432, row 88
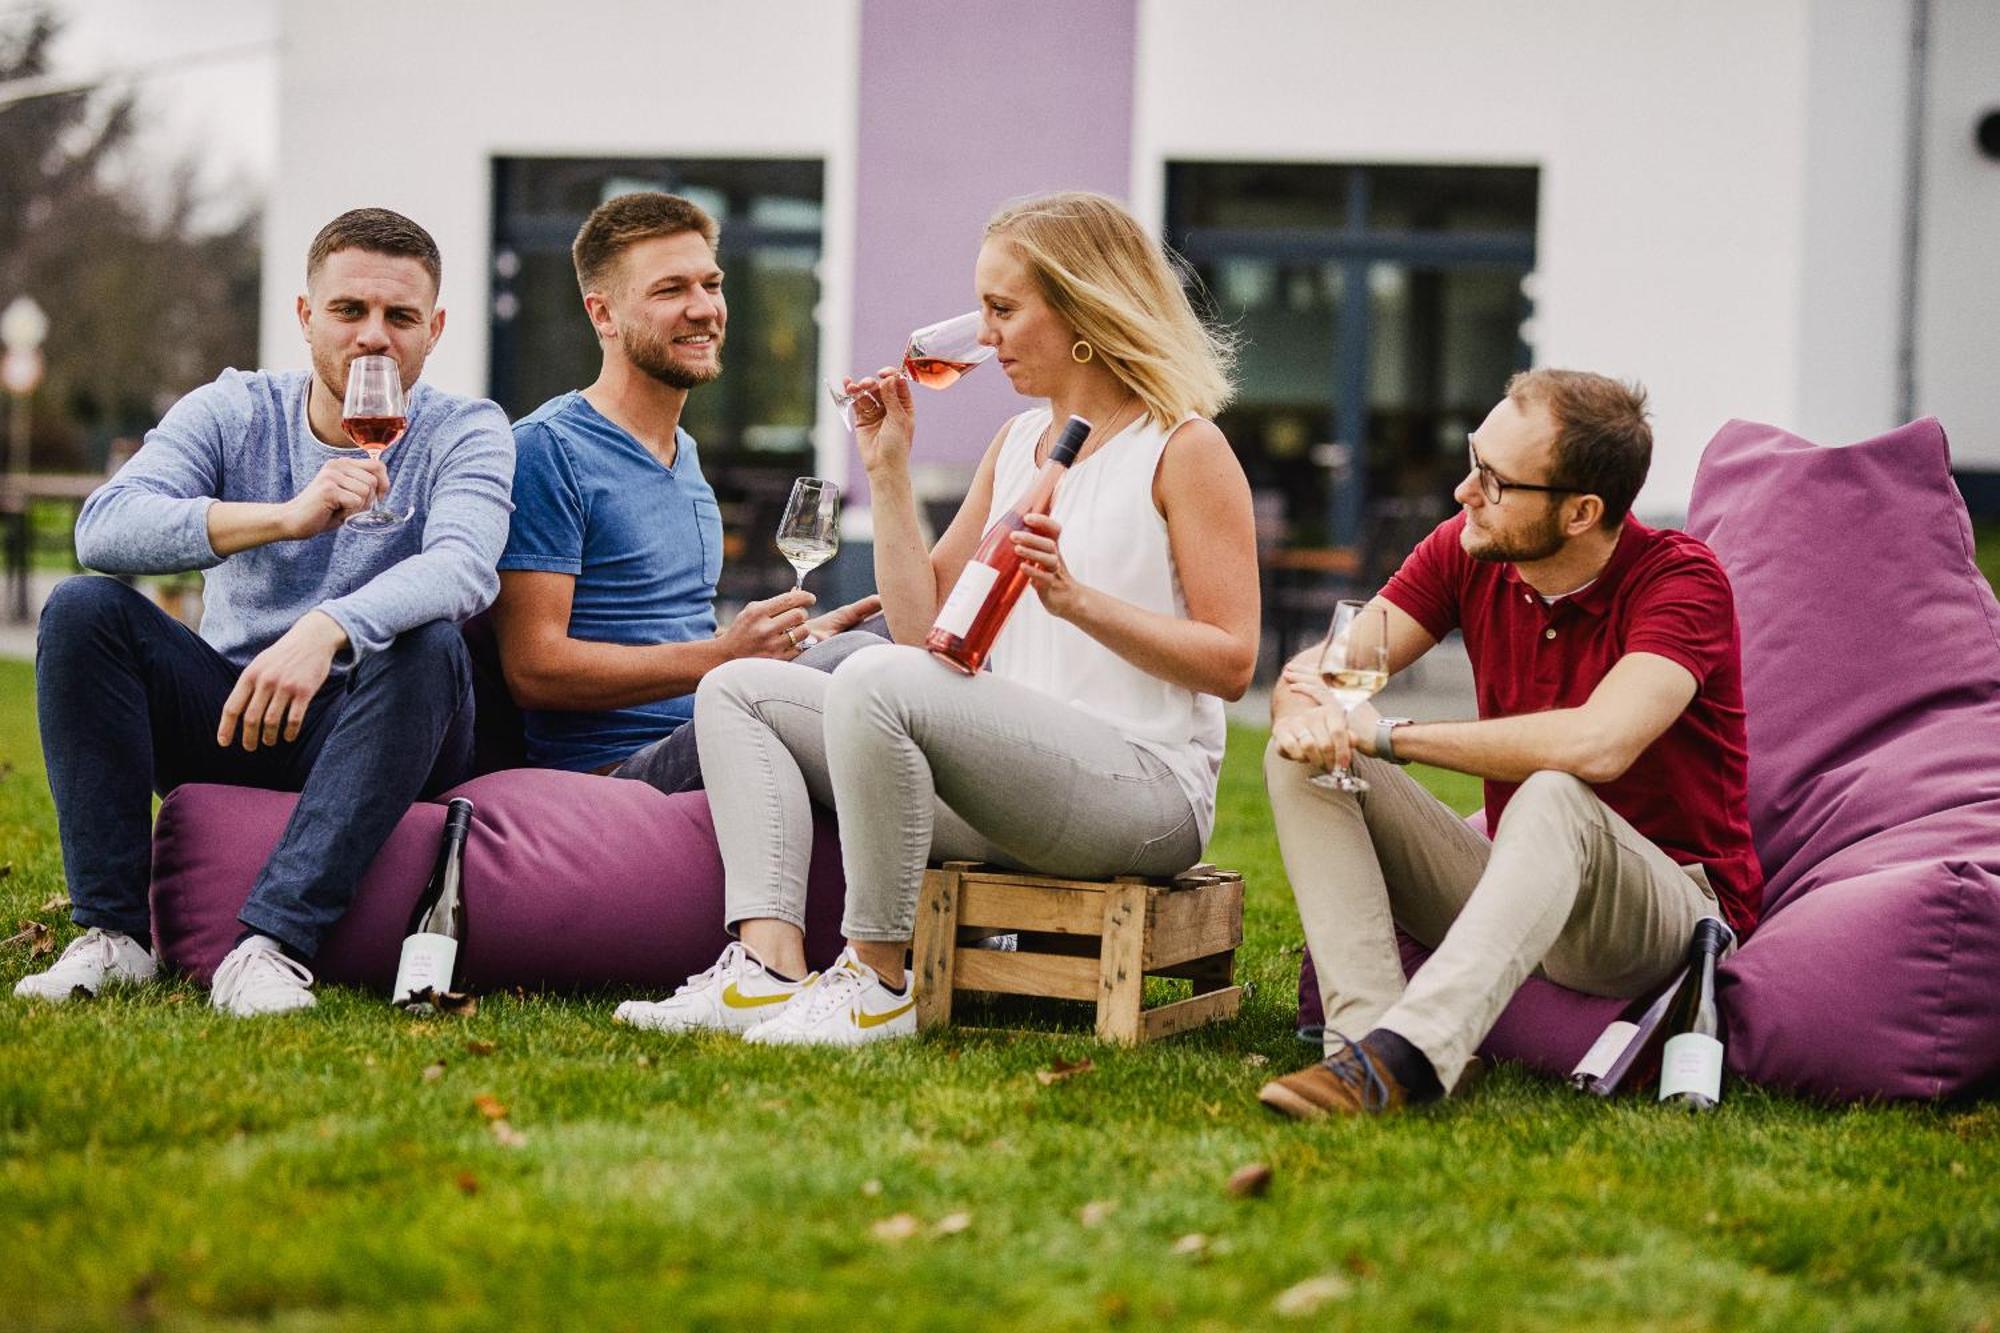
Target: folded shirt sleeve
column 152, row 518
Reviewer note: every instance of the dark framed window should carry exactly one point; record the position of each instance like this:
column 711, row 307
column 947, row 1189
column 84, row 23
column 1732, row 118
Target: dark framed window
column 754, row 424
column 1380, row 310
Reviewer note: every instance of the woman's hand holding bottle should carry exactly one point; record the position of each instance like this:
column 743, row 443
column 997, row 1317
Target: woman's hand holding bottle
column 1040, row 545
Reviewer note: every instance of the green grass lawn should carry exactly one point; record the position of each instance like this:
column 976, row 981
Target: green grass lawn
column 162, row 1165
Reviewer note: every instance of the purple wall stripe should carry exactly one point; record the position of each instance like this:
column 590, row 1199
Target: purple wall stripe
column 962, row 107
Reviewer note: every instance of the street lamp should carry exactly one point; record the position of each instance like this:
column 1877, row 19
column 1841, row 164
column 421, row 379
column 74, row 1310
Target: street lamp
column 23, row 326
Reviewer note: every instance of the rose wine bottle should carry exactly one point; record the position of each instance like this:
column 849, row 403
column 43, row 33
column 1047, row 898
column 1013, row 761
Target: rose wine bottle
column 1627, row 1052
column 437, row 924
column 991, row 582
column 1691, row 1061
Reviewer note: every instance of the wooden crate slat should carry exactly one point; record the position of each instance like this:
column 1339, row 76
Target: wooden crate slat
column 1181, row 1015
column 1193, row 924
column 1027, row 974
column 1018, row 907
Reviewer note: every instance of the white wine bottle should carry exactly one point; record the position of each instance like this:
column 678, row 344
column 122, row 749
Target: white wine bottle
column 429, row 963
column 1691, row 1061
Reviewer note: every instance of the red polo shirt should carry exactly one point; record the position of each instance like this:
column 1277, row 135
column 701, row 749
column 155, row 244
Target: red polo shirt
column 1662, row 592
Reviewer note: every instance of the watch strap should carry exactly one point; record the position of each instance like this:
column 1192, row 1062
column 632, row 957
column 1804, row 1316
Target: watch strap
column 1385, row 747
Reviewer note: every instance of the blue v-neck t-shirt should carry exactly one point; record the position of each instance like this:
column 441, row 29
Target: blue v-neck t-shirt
column 644, row 542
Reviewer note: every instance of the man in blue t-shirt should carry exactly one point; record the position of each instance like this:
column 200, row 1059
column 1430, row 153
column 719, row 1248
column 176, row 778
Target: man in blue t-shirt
column 606, row 616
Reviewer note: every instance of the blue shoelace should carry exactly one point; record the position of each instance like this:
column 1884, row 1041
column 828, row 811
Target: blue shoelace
column 1351, row 1063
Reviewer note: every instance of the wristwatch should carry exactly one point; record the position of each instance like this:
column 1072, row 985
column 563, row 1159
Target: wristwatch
column 1384, row 749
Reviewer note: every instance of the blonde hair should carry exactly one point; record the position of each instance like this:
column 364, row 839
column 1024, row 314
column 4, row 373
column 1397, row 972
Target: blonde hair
column 1122, row 292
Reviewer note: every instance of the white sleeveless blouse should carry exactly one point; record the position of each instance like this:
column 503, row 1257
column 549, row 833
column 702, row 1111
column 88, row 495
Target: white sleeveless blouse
column 1115, row 541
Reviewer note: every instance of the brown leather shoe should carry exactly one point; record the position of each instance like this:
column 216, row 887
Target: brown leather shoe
column 1348, row 1082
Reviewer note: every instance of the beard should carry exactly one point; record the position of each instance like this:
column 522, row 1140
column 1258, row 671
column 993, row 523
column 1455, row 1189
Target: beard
column 655, row 356
column 1537, row 543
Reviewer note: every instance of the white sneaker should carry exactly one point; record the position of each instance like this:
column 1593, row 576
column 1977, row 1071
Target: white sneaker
column 846, row 1005
column 257, row 978
column 735, row 995
column 95, row 960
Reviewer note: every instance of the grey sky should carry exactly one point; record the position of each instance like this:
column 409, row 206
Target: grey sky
column 223, row 113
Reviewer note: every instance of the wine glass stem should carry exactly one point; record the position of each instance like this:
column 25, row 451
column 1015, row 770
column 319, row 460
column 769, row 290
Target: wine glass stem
column 1340, row 770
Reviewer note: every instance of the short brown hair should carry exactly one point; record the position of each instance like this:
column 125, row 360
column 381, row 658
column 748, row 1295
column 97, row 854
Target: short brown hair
column 378, row 231
column 1603, row 444
column 616, row 224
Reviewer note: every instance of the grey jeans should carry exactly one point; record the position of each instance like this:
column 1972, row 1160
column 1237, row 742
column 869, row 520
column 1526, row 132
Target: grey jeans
column 920, row 762
column 673, row 763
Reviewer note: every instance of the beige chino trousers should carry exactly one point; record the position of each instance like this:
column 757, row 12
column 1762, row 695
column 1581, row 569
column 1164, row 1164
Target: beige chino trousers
column 1566, row 887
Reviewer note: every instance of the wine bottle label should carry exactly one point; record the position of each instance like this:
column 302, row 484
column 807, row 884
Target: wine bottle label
column 1691, row 1062
column 967, row 596
column 427, row 961
column 1610, row 1044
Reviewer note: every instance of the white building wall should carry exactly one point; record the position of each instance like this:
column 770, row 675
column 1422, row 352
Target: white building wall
column 414, row 124
column 1689, row 198
column 1958, row 289
column 1851, row 285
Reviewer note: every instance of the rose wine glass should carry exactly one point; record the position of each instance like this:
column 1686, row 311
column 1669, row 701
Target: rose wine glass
column 374, row 416
column 935, row 357
column 809, row 533
column 1355, row 666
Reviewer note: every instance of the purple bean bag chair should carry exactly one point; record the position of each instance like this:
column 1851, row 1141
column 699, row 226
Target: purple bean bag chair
column 1871, row 672
column 572, row 881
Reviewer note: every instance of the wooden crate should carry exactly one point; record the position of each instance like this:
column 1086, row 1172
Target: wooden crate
column 1092, row 940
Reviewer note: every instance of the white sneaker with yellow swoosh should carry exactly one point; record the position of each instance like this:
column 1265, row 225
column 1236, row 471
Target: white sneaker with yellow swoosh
column 733, row 996
column 846, row 1005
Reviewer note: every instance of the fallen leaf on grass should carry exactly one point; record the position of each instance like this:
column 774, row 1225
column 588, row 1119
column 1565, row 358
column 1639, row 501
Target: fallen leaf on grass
column 898, row 1227
column 644, row 1062
column 1256, row 1059
column 1063, row 1069
column 479, row 1048
column 507, row 1136
column 459, row 1004
column 490, row 1106
column 139, row 1307
column 1093, row 1213
column 1250, row 1182
column 872, row 1188
column 952, row 1223
column 468, row 1184
column 59, row 903
column 36, row 937
column 1192, row 1243
column 434, row 1072
column 1304, row 1298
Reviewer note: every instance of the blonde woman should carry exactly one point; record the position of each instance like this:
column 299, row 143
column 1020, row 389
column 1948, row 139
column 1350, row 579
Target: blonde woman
column 1092, row 746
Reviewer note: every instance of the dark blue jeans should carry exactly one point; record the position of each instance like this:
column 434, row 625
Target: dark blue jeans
column 130, row 700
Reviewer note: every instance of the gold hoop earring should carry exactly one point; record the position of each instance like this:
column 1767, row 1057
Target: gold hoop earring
column 1081, row 352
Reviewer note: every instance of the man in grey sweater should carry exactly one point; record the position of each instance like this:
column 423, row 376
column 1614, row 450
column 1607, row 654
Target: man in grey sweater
column 329, row 660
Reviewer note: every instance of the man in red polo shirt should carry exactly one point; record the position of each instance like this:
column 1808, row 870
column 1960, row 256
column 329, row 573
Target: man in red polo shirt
column 1606, row 661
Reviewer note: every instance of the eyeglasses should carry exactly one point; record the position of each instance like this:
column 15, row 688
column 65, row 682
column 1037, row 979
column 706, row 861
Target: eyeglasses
column 1495, row 490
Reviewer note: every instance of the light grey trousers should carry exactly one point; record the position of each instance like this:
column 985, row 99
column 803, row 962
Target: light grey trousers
column 1567, row 887
column 919, row 762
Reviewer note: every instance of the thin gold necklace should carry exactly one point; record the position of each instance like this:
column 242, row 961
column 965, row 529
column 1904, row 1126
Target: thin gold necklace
column 1096, row 432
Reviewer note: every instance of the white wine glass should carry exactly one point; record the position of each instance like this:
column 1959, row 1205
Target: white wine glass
column 1354, row 664
column 935, row 357
column 374, row 415
column 809, row 533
